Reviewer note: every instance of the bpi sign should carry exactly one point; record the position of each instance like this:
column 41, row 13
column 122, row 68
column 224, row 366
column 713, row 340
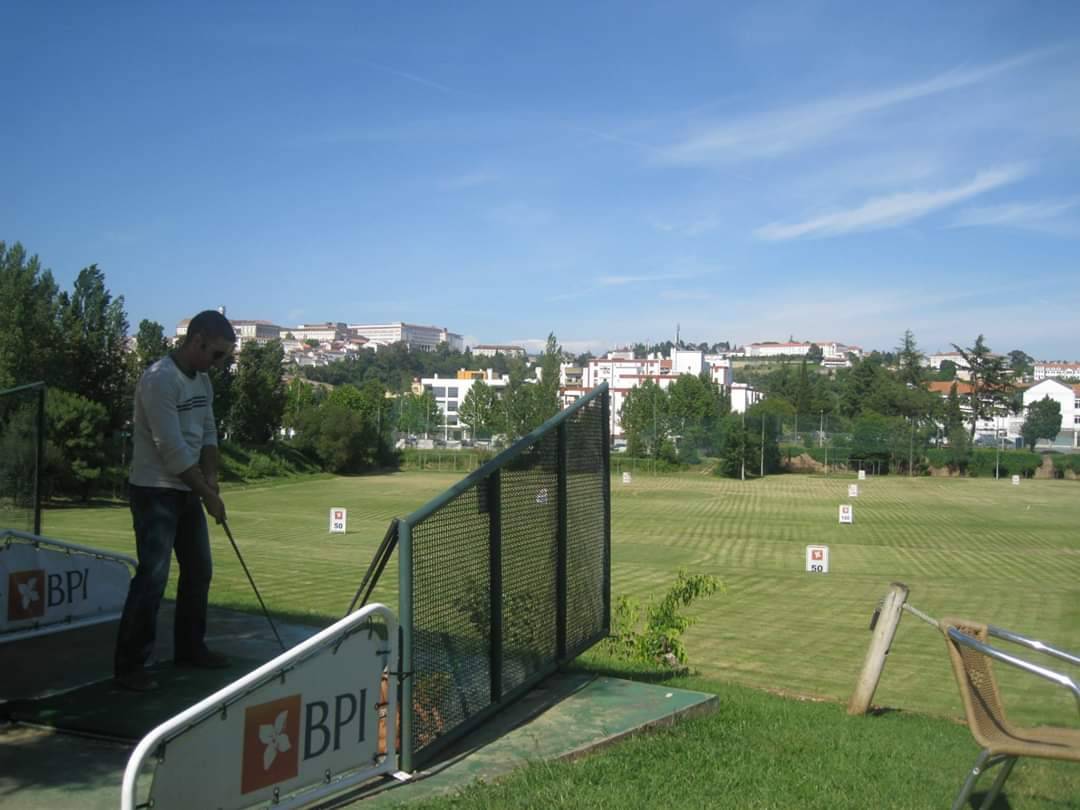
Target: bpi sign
column 302, row 726
column 48, row 585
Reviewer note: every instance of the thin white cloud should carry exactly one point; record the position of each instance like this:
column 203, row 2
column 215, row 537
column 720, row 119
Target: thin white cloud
column 412, row 77
column 893, row 210
column 780, row 131
column 618, row 281
column 1042, row 215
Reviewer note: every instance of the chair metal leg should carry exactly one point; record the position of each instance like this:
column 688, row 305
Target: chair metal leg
column 1006, row 769
column 972, row 778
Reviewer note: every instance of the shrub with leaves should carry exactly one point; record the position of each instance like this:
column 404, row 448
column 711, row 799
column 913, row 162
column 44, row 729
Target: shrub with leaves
column 660, row 640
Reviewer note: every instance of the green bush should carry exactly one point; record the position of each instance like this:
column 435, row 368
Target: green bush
column 660, row 640
column 1070, row 462
column 240, row 463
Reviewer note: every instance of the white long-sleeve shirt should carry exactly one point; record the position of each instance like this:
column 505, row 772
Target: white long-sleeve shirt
column 174, row 421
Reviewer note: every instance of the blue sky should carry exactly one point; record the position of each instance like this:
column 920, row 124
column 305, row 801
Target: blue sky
column 836, row 171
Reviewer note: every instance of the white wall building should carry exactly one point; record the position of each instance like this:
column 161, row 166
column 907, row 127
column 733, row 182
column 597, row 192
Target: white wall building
column 424, row 338
column 1068, row 397
column 772, row 349
column 744, row 396
column 323, row 332
column 833, row 353
column 450, row 392
column 492, row 349
column 623, row 373
column 1056, row 369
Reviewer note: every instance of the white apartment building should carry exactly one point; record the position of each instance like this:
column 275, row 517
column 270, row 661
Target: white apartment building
column 623, row 373
column 424, row 338
column 492, row 349
column 450, row 392
column 743, row 396
column 1057, row 369
column 834, row 354
column 1068, row 397
column 772, row 349
column 323, row 332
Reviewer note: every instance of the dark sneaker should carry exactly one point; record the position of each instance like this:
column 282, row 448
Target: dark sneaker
column 138, row 681
column 207, row 659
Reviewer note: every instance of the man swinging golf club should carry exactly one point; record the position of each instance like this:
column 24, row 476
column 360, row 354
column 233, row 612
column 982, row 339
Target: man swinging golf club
column 174, row 466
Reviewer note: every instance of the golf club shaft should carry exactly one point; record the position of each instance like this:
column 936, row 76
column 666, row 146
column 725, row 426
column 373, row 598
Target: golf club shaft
column 258, row 596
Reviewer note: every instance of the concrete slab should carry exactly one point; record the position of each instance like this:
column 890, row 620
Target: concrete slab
column 568, row 715
column 565, row 716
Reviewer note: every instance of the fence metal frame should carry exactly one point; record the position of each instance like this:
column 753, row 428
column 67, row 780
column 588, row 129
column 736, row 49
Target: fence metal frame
column 39, row 450
column 489, row 475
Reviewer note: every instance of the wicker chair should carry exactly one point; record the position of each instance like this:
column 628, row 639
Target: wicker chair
column 1003, row 743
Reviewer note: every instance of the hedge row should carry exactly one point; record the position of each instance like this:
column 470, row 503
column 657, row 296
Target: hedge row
column 981, row 463
column 271, row 461
column 1067, row 462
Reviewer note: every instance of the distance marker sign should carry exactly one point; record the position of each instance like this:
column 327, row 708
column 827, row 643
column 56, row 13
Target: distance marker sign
column 853, row 490
column 847, row 513
column 338, row 518
column 817, row 559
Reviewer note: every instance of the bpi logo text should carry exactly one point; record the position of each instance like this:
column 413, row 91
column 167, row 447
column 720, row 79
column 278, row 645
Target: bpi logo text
column 31, row 591
column 273, row 747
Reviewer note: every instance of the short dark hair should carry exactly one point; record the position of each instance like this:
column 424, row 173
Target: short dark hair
column 210, row 324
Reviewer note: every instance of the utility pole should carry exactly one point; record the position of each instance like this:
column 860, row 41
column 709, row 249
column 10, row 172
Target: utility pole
column 762, row 446
column 997, row 450
column 742, row 474
column 821, row 429
column 911, row 450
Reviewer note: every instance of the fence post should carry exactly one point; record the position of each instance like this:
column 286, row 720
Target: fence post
column 605, row 405
column 494, row 497
column 405, row 671
column 884, row 630
column 39, row 472
column 561, row 549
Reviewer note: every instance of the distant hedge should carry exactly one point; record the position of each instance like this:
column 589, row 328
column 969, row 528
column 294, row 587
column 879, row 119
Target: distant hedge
column 983, row 461
column 1069, row 462
column 242, row 463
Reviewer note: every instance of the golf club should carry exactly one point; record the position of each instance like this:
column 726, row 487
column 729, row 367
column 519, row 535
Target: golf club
column 243, row 564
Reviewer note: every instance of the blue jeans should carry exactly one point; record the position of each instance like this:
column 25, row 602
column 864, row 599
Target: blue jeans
column 165, row 520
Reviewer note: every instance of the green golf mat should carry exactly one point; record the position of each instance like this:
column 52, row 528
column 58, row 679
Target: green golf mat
column 104, row 709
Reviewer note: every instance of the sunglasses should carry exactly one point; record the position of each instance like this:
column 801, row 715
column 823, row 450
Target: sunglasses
column 216, row 355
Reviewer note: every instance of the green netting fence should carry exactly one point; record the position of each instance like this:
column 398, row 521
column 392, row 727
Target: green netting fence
column 22, row 453
column 504, row 577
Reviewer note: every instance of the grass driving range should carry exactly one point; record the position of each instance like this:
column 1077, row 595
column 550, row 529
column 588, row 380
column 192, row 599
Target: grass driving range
column 978, row 548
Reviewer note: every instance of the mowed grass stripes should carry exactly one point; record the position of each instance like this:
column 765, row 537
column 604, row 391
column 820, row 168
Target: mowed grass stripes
column 978, row 548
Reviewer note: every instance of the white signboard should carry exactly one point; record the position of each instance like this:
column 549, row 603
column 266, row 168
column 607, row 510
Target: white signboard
column 48, row 585
column 338, row 518
column 302, row 725
column 862, row 475
column 626, row 478
column 1016, row 480
column 853, row 490
column 817, row 559
column 847, row 513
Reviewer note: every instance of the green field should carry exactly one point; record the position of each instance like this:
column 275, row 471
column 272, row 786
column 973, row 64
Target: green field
column 979, row 548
